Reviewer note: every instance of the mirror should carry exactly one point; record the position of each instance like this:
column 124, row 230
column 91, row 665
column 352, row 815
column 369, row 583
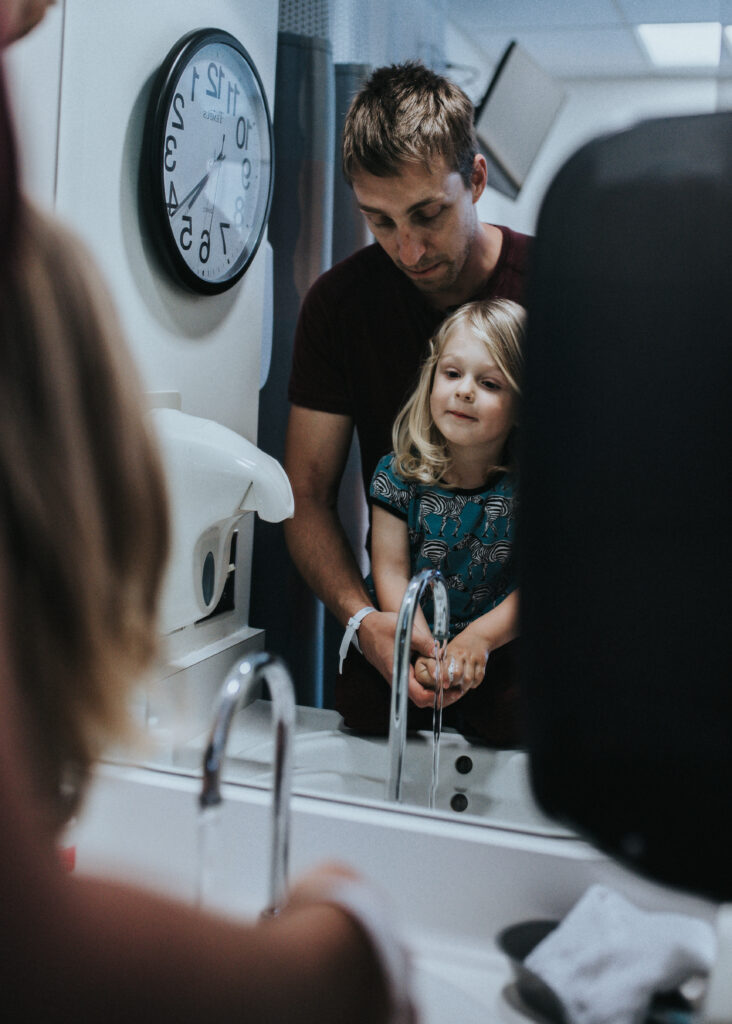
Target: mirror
column 593, row 104
column 154, row 311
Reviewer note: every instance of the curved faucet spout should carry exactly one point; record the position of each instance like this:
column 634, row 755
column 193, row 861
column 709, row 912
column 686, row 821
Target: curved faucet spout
column 400, row 672
column 237, row 687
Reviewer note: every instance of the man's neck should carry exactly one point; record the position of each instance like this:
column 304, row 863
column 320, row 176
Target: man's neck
column 479, row 267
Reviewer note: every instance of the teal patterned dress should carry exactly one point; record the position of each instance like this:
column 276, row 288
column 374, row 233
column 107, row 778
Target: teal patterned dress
column 467, row 534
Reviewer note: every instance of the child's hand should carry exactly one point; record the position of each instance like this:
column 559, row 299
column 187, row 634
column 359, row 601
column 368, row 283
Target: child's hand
column 424, row 671
column 465, row 660
column 463, row 666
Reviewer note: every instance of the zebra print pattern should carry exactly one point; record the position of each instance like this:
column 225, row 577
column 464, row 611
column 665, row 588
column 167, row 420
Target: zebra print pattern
column 435, row 551
column 483, row 595
column 482, row 555
column 496, row 506
column 384, row 488
column 448, row 508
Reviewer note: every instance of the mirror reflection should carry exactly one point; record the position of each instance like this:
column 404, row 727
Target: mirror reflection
column 299, row 590
column 592, row 103
column 431, row 236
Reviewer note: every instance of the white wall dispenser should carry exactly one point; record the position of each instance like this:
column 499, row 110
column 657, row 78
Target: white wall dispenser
column 214, row 476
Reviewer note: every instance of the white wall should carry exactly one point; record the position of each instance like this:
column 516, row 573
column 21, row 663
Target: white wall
column 80, row 84
column 205, row 348
column 592, row 108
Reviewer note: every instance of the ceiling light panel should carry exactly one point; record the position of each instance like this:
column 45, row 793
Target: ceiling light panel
column 691, row 45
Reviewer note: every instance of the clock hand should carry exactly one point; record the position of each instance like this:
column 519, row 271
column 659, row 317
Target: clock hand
column 219, row 158
column 193, row 194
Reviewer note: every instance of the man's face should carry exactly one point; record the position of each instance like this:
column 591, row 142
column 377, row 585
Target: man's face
column 424, row 219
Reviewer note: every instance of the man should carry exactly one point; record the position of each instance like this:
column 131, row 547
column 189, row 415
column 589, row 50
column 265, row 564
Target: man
column 410, row 155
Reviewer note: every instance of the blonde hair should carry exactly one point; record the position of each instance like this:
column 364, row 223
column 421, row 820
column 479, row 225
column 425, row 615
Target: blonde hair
column 406, row 113
column 83, row 511
column 421, row 451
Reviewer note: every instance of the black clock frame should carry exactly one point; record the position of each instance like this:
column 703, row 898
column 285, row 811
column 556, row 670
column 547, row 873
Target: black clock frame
column 153, row 203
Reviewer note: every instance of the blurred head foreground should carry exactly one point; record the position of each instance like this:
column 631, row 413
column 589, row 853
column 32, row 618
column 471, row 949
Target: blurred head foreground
column 83, row 521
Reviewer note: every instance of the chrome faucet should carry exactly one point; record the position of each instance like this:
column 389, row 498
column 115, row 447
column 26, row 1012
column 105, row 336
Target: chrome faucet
column 400, row 672
column 237, row 687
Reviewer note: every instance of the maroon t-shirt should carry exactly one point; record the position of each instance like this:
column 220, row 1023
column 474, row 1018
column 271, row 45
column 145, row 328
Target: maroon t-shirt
column 362, row 334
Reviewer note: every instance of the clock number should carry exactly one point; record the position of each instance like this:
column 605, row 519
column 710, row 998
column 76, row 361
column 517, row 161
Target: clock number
column 246, row 172
column 170, row 144
column 218, row 72
column 233, row 91
column 178, row 101
column 172, row 203
column 242, row 133
column 205, row 247
column 223, row 236
column 239, row 211
column 187, row 230
column 196, row 76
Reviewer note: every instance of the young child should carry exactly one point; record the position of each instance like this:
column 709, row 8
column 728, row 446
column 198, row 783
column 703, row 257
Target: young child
column 445, row 498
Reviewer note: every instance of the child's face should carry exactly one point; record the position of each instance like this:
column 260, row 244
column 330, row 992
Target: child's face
column 472, row 403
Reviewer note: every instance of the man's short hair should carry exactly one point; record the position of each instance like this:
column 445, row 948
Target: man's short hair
column 407, row 113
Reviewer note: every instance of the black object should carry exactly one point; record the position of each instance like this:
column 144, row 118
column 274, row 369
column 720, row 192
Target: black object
column 517, row 941
column 626, row 485
column 207, row 108
column 459, row 802
column 464, row 764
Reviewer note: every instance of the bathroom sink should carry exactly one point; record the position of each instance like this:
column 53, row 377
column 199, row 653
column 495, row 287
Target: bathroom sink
column 120, row 834
column 453, row 885
column 328, row 761
column 440, row 998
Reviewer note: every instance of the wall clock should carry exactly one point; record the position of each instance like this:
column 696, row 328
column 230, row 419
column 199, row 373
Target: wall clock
column 207, row 161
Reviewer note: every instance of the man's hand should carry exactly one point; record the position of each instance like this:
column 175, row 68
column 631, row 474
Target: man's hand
column 376, row 637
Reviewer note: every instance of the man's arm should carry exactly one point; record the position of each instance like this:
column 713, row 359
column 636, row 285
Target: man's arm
column 316, row 449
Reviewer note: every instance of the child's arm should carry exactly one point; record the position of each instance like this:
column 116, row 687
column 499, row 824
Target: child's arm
column 468, row 652
column 390, row 568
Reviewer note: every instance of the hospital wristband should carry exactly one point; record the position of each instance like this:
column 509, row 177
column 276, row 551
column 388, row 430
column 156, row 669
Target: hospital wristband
column 350, row 636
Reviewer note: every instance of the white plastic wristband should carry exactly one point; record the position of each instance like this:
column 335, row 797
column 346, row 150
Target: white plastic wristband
column 350, row 637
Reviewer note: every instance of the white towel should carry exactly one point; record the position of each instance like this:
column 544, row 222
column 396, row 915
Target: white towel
column 607, row 958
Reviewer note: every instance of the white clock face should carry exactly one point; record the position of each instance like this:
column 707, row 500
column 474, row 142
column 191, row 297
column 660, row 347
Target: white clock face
column 215, row 156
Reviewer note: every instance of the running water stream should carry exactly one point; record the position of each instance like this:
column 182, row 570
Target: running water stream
column 436, row 725
column 209, row 819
